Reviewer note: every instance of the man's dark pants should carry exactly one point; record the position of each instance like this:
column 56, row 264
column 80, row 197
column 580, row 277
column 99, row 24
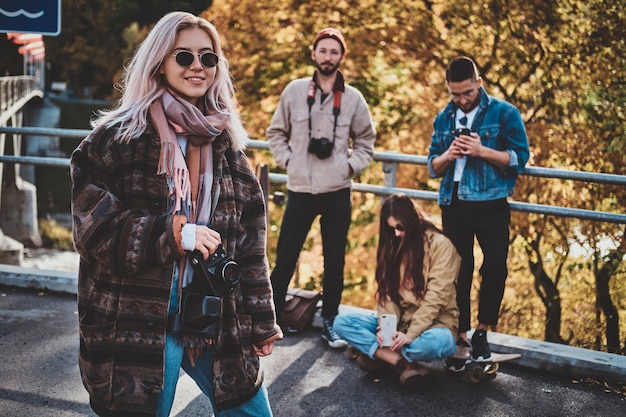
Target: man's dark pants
column 334, row 209
column 489, row 222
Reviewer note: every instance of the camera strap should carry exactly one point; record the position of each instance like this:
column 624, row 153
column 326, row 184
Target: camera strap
column 310, row 98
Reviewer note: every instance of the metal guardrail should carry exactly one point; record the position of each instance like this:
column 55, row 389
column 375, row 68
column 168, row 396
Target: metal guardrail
column 389, row 161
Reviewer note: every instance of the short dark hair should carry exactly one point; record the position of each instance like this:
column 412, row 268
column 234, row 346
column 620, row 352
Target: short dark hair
column 461, row 69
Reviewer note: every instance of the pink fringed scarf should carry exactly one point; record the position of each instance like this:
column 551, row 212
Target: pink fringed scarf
column 187, row 177
column 172, row 116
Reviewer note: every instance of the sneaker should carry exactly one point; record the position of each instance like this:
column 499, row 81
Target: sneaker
column 454, row 363
column 328, row 334
column 368, row 364
column 480, row 347
column 412, row 374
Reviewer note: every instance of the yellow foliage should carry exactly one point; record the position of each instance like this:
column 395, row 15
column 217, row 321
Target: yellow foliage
column 560, row 64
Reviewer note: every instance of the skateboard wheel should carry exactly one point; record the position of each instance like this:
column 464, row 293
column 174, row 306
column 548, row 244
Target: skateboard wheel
column 479, row 372
column 492, row 368
column 490, row 377
column 353, row 352
column 476, row 375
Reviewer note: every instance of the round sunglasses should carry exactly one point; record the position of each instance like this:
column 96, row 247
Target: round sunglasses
column 185, row 59
column 397, row 227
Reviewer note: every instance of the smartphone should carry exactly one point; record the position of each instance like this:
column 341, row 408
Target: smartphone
column 462, row 131
column 388, row 324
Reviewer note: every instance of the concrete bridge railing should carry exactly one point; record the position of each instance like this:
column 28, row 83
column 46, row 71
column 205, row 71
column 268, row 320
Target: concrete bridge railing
column 15, row 93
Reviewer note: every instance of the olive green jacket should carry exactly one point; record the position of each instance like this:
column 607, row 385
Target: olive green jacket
column 438, row 307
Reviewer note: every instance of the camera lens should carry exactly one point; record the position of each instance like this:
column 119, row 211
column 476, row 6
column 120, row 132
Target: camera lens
column 231, row 273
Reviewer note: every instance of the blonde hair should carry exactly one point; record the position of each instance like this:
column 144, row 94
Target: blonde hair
column 141, row 83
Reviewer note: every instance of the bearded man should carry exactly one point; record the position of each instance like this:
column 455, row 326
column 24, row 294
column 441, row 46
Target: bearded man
column 322, row 133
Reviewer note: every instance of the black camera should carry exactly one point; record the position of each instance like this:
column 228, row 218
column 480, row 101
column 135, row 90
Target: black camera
column 198, row 314
column 219, row 271
column 462, row 131
column 322, row 148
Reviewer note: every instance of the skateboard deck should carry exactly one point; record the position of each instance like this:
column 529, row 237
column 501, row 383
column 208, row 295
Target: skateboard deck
column 481, row 371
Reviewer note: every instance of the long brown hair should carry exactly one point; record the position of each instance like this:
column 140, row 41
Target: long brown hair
column 407, row 250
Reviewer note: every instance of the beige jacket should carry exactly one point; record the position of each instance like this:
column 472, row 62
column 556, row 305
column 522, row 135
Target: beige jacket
column 288, row 138
column 438, row 308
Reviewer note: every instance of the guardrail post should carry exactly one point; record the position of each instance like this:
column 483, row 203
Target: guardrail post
column 390, row 170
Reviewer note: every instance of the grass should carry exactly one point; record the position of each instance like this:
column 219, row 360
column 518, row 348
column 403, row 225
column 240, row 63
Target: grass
column 55, row 235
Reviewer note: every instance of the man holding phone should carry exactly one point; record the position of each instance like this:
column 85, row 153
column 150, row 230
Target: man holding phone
column 479, row 146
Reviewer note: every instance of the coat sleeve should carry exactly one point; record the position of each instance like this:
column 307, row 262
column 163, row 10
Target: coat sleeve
column 120, row 237
column 516, row 141
column 441, row 277
column 251, row 255
column 279, row 132
column 435, row 149
column 364, row 136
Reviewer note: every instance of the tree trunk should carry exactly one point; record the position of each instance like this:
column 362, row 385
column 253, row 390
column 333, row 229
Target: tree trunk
column 550, row 297
column 549, row 294
column 605, row 303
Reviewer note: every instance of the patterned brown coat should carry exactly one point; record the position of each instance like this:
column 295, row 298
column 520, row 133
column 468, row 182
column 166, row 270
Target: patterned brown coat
column 123, row 232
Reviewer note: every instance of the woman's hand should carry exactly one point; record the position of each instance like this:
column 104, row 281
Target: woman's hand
column 398, row 339
column 264, row 350
column 207, row 240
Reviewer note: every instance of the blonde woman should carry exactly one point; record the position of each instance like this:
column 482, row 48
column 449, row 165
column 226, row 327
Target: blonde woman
column 161, row 185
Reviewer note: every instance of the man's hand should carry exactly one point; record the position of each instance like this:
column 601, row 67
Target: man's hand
column 468, row 145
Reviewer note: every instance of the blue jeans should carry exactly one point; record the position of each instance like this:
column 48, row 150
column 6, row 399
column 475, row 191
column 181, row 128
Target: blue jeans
column 335, row 209
column 359, row 330
column 201, row 373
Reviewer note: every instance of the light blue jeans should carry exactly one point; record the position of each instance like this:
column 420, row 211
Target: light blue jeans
column 359, row 330
column 202, row 374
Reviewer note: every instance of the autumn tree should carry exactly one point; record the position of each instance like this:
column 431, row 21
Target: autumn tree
column 562, row 63
column 565, row 80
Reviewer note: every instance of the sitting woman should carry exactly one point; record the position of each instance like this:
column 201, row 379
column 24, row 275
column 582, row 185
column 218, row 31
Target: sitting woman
column 416, row 273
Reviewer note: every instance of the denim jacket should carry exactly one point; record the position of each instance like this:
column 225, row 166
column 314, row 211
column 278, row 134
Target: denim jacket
column 500, row 126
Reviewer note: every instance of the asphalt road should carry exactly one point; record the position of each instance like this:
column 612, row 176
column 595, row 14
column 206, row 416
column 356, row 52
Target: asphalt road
column 39, row 377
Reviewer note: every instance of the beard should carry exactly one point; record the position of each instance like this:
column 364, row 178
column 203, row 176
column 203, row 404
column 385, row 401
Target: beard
column 326, row 71
column 470, row 106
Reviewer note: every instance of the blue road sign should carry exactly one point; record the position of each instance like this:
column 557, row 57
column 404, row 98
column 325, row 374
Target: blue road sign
column 31, row 16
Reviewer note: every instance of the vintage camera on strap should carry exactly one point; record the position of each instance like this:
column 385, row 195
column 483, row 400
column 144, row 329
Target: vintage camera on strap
column 322, row 148
column 220, row 272
column 200, row 301
column 198, row 315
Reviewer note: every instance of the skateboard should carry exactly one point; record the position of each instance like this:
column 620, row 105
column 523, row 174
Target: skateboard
column 483, row 371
